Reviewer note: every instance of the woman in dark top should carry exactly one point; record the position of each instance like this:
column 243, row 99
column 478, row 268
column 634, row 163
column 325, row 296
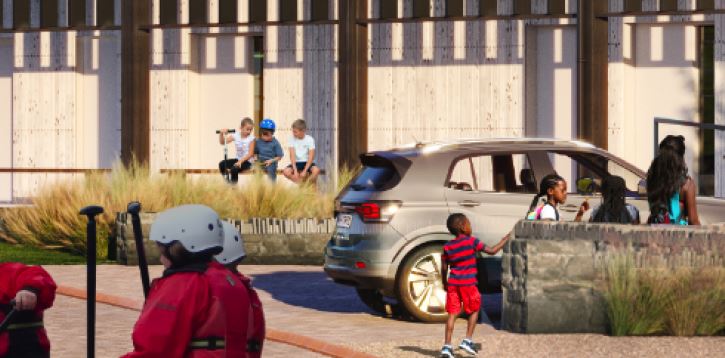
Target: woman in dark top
column 671, row 192
column 614, row 208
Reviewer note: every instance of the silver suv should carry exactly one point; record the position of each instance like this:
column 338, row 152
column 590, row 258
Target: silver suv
column 391, row 217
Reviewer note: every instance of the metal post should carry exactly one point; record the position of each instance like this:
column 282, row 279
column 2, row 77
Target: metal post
column 91, row 212
column 134, row 208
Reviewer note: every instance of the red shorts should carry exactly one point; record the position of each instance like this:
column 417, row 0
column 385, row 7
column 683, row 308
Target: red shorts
column 468, row 295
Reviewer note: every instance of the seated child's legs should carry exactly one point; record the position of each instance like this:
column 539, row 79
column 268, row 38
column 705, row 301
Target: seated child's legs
column 288, row 173
column 272, row 172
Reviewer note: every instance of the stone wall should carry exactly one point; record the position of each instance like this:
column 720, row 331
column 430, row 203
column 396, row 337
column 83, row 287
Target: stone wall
column 553, row 273
column 267, row 241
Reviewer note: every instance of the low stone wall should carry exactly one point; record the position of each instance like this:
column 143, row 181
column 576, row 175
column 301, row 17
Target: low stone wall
column 267, row 241
column 554, row 273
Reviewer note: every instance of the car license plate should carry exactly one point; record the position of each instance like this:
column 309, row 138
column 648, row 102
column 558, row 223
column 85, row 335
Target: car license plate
column 344, row 221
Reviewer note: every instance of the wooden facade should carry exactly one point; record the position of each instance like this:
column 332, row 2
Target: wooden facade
column 476, row 68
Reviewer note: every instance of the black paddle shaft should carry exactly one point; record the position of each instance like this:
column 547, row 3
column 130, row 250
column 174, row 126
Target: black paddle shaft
column 8, row 317
column 91, row 212
column 134, row 208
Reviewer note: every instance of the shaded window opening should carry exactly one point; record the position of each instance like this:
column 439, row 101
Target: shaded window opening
column 49, row 13
column 287, row 10
column 21, row 14
column 388, row 9
column 454, row 8
column 76, row 13
column 668, row 5
column 197, row 12
column 632, row 5
column 705, row 4
column 105, row 12
column 556, row 7
column 227, row 11
column 421, row 8
column 257, row 10
column 320, row 10
column 706, row 176
column 168, row 12
column 488, row 8
column 522, row 7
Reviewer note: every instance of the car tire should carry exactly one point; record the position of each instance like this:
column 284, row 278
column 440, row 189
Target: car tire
column 419, row 286
column 375, row 301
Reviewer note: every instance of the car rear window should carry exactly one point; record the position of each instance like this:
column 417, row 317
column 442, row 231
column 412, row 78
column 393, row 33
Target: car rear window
column 374, row 178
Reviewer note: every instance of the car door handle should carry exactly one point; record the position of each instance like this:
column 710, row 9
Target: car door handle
column 469, row 203
column 570, row 208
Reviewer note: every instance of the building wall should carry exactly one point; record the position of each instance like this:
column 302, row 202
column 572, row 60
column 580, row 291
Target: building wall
column 65, row 109
column 426, row 80
column 653, row 72
column 300, row 81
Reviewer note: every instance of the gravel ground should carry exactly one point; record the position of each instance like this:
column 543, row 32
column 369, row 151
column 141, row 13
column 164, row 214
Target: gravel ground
column 501, row 344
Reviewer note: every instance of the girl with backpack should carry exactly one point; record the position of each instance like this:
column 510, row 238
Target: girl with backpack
column 671, row 192
column 614, row 208
column 554, row 188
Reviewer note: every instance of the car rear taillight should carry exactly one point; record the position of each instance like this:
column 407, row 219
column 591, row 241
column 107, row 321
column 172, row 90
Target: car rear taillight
column 377, row 211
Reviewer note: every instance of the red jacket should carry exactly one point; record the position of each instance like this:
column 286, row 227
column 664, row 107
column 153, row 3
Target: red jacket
column 257, row 326
column 15, row 277
column 185, row 304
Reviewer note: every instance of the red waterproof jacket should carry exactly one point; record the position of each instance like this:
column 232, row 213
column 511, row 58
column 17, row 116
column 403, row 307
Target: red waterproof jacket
column 193, row 303
column 257, row 327
column 13, row 278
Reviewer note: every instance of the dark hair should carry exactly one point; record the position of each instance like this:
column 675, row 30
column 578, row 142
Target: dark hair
column 180, row 256
column 454, row 223
column 613, row 208
column 547, row 183
column 666, row 175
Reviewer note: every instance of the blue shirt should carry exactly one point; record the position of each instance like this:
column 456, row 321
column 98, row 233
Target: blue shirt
column 268, row 150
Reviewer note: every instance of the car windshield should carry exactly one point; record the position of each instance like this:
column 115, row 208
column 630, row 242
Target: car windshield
column 373, row 178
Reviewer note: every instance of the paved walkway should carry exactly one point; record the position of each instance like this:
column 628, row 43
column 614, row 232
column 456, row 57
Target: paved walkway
column 301, row 300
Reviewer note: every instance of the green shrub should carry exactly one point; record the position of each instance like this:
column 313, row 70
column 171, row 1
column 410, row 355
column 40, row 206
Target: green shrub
column 53, row 218
column 681, row 302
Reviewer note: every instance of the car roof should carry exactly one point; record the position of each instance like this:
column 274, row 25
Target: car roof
column 481, row 143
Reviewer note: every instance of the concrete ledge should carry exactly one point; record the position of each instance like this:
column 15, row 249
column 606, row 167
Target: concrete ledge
column 554, row 273
column 267, row 241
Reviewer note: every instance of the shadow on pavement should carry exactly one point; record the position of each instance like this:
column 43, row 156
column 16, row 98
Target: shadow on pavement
column 313, row 290
column 421, row 351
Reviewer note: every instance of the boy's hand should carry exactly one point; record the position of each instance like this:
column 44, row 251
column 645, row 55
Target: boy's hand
column 224, row 131
column 238, row 164
column 304, row 173
column 268, row 162
column 25, row 300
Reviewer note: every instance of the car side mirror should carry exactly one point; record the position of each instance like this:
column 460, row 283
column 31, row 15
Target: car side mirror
column 642, row 187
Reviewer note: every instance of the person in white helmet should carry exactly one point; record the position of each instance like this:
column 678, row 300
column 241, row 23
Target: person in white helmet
column 231, row 257
column 194, row 309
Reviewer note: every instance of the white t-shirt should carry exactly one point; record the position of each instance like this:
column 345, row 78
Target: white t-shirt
column 548, row 212
column 242, row 144
column 302, row 147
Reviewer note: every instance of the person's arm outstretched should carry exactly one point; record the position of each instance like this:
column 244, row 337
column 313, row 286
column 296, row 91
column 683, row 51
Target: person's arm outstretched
column 496, row 248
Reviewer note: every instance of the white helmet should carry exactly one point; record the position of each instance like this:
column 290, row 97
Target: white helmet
column 196, row 227
column 233, row 245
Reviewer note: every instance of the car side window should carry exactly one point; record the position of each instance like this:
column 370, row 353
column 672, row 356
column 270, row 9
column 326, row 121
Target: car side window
column 581, row 176
column 510, row 173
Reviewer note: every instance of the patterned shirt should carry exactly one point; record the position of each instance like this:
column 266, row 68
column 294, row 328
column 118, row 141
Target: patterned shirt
column 460, row 254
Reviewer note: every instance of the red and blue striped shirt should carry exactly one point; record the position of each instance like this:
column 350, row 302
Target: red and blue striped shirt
column 460, row 254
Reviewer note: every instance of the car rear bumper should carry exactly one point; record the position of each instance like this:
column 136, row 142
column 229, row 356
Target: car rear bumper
column 344, row 268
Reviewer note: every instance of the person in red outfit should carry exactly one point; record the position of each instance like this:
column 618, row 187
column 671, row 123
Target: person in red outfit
column 231, row 257
column 194, row 309
column 33, row 290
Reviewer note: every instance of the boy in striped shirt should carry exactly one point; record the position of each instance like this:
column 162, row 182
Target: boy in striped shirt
column 462, row 285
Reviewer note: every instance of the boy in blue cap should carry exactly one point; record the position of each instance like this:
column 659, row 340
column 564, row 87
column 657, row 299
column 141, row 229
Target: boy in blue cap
column 268, row 149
